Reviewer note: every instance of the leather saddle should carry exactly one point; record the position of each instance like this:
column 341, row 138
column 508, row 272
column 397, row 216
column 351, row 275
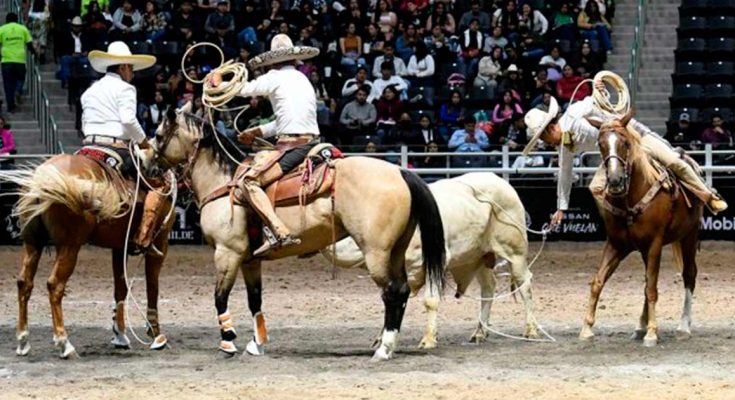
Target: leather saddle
column 111, row 162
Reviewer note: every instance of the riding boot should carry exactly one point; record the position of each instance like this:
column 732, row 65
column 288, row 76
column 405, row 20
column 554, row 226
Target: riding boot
column 280, row 234
column 153, row 209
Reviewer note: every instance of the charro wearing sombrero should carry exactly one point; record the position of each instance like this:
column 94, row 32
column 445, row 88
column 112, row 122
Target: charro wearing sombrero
column 109, row 120
column 295, row 127
column 572, row 134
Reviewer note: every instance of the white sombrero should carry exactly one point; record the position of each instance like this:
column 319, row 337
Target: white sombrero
column 536, row 121
column 118, row 53
column 282, row 50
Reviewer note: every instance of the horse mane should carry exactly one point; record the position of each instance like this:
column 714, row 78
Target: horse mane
column 636, row 156
column 209, row 141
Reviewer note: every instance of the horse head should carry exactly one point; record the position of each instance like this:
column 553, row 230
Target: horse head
column 177, row 137
column 615, row 143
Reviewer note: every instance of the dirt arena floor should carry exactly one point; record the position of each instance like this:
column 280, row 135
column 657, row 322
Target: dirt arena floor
column 321, row 331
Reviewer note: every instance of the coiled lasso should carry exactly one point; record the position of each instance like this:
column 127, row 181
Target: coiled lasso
column 602, row 98
column 217, row 97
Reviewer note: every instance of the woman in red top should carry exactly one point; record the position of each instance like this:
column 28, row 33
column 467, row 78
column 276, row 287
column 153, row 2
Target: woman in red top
column 389, row 109
column 566, row 85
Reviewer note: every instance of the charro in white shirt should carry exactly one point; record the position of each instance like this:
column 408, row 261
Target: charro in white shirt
column 109, row 109
column 292, row 98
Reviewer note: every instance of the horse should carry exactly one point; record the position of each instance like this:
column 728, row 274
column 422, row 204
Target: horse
column 485, row 222
column 66, row 202
column 375, row 202
column 643, row 209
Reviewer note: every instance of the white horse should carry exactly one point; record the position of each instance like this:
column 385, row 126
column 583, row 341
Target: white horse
column 483, row 220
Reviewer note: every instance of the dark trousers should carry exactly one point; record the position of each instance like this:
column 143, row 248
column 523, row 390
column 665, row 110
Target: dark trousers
column 14, row 74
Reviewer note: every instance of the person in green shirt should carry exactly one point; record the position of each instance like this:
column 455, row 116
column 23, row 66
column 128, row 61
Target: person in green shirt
column 15, row 39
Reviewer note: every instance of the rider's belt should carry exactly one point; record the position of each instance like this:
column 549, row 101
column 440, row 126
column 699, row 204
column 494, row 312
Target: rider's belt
column 99, row 139
column 287, row 142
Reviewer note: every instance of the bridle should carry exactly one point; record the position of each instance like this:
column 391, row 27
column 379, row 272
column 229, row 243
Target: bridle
column 626, row 168
column 172, row 132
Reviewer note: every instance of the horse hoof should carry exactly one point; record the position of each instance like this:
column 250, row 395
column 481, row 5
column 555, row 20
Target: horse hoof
column 227, row 348
column 477, row 338
column 159, row 343
column 650, row 342
column 382, row 354
column 120, row 340
column 427, row 343
column 255, row 349
column 531, row 333
column 638, row 334
column 586, row 335
column 683, row 334
column 23, row 349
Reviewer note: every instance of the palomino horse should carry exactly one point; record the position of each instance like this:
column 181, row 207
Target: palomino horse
column 485, row 220
column 375, row 202
column 66, row 202
column 643, row 210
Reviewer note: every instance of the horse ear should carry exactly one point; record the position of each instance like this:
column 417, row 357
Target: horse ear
column 171, row 114
column 627, row 117
column 596, row 123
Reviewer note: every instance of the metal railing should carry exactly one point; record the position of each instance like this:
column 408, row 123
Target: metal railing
column 38, row 97
column 635, row 49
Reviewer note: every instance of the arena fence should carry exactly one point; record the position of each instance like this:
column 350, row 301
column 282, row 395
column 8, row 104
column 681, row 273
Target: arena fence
column 635, row 50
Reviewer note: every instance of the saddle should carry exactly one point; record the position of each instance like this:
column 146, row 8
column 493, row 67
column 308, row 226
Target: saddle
column 111, row 162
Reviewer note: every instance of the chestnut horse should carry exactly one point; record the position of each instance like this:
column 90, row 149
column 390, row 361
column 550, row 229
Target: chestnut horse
column 66, row 202
column 375, row 202
column 643, row 210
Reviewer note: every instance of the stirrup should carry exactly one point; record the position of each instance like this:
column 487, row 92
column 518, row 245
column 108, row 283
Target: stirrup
column 136, row 250
column 271, row 242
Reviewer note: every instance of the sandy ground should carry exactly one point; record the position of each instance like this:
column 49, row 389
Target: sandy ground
column 321, row 331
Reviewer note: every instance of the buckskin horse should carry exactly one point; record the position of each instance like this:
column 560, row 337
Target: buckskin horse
column 485, row 221
column 644, row 208
column 66, row 202
column 377, row 203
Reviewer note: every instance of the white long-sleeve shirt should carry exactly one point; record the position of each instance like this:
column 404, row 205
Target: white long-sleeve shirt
column 109, row 109
column 379, row 86
column 578, row 136
column 293, row 100
column 421, row 68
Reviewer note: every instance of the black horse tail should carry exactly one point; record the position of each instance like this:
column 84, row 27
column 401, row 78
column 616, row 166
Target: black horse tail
column 425, row 210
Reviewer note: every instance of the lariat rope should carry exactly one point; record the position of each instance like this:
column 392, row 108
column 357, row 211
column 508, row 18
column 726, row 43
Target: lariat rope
column 602, row 97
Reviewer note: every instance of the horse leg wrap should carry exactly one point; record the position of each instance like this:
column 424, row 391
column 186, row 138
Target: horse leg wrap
column 227, row 330
column 260, row 333
column 119, row 340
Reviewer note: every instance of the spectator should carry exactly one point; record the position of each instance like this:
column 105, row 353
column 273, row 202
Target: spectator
column 186, row 25
column 154, row 21
column 412, row 15
column 102, row 6
column 396, row 65
column 600, row 5
column 505, row 109
column 507, row 18
column 495, row 40
column 360, row 80
column 488, row 71
column 593, row 25
column 325, row 105
column 564, row 27
column 439, row 46
column 475, row 13
column 530, row 46
column 534, row 20
column 515, row 139
column 471, row 43
column 431, row 162
column 127, row 23
column 72, row 47
column 373, row 42
column 14, row 40
column 248, row 19
column 421, row 70
column 426, row 132
column 566, row 85
column 441, row 18
column 385, row 80
column 554, row 63
column 38, row 21
column 150, row 115
column 273, row 20
column 358, row 116
column 406, row 43
column 451, row 115
column 469, row 139
column 7, row 144
column 717, row 135
column 224, row 38
column 352, row 14
column 683, row 132
column 221, row 17
column 512, row 82
column 588, row 60
column 406, row 133
column 206, row 6
column 389, row 109
column 350, row 46
column 420, row 5
column 542, row 85
column 385, row 17
column 95, row 22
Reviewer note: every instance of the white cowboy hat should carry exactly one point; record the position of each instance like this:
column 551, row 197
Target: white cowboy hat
column 118, row 53
column 536, row 121
column 76, row 21
column 282, row 50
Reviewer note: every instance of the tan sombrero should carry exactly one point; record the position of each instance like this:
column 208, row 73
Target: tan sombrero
column 536, row 121
column 282, row 50
column 118, row 53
